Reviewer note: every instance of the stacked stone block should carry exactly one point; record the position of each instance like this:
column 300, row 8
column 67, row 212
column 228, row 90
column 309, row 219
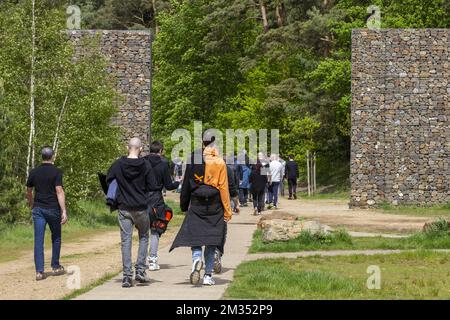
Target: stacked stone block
column 129, row 62
column 400, row 117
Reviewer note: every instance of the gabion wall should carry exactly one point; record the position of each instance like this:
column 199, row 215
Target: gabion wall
column 400, row 150
column 129, row 58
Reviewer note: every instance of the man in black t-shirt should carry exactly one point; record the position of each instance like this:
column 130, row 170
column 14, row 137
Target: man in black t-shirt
column 48, row 207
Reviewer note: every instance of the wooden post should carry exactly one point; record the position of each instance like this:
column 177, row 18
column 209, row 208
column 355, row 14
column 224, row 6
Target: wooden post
column 314, row 170
column 308, row 173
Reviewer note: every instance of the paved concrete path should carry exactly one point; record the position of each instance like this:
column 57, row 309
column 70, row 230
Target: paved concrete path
column 172, row 281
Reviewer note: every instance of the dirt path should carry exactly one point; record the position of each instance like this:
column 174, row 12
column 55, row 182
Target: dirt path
column 337, row 214
column 99, row 255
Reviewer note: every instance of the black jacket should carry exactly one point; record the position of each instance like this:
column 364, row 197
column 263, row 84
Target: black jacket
column 161, row 171
column 291, row 171
column 204, row 222
column 232, row 183
column 135, row 179
column 258, row 181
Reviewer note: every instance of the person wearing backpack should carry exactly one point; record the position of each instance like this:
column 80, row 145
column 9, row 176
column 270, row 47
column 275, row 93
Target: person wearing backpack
column 156, row 205
column 206, row 200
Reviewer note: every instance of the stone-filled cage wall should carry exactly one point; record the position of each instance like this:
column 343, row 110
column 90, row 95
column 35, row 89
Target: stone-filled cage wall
column 128, row 54
column 400, row 137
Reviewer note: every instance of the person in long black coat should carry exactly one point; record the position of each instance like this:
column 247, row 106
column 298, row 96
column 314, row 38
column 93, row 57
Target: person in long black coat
column 258, row 181
column 291, row 172
column 208, row 209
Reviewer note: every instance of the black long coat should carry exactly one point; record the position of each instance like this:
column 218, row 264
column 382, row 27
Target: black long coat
column 204, row 221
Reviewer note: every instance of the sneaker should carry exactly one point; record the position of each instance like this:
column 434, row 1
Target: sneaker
column 142, row 277
column 153, row 263
column 40, row 276
column 217, row 262
column 127, row 282
column 208, row 280
column 255, row 211
column 58, row 271
column 197, row 265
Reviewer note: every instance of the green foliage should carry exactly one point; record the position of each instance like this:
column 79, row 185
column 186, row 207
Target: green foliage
column 87, row 141
column 341, row 240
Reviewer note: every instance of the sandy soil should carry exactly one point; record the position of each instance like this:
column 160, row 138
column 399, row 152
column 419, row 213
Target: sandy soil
column 336, row 213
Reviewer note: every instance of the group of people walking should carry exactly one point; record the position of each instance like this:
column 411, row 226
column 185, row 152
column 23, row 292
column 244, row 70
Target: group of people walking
column 210, row 192
column 261, row 183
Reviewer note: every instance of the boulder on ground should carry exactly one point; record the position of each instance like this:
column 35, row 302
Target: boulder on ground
column 284, row 230
column 282, row 215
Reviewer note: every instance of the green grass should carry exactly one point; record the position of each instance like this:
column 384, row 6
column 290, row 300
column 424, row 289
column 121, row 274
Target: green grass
column 409, row 275
column 15, row 239
column 433, row 211
column 340, row 240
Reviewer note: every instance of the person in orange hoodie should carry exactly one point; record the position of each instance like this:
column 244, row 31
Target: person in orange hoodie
column 206, row 199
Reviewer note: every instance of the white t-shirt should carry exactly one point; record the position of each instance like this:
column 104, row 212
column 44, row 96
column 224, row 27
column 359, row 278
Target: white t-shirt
column 276, row 170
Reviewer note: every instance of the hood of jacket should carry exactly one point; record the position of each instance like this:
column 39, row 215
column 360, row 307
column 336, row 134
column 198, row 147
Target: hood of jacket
column 132, row 168
column 154, row 159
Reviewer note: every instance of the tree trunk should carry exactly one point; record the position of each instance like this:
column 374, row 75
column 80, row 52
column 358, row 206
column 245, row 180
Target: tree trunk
column 280, row 13
column 58, row 126
column 264, row 16
column 154, row 17
column 30, row 157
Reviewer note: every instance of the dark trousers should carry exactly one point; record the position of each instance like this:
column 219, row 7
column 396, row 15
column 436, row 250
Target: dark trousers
column 42, row 217
column 243, row 195
column 292, row 183
column 258, row 199
column 273, row 193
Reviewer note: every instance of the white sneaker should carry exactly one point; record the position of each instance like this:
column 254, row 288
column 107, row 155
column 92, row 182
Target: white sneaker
column 208, row 280
column 255, row 211
column 153, row 264
column 197, row 266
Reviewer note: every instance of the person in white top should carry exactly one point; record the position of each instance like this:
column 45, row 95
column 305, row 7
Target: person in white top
column 276, row 174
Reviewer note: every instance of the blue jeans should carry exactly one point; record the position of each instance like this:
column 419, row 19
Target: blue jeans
column 41, row 217
column 273, row 193
column 209, row 257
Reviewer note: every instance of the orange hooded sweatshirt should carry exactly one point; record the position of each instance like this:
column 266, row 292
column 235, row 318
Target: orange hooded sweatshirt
column 216, row 176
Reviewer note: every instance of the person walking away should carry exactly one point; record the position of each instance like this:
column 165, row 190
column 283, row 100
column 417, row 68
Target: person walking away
column 206, row 199
column 276, row 170
column 135, row 179
column 48, row 207
column 292, row 174
column 244, row 184
column 258, row 179
column 281, row 188
column 160, row 167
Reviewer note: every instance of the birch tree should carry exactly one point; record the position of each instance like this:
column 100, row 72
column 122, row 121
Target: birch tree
column 31, row 151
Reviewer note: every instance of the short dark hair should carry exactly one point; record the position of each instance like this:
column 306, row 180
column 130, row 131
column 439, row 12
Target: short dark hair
column 291, row 156
column 47, row 153
column 156, row 147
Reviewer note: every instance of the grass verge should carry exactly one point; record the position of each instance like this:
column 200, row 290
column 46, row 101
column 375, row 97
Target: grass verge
column 16, row 239
column 340, row 240
column 409, row 275
column 433, row 211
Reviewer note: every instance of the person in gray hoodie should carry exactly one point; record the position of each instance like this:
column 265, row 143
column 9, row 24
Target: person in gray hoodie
column 135, row 178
